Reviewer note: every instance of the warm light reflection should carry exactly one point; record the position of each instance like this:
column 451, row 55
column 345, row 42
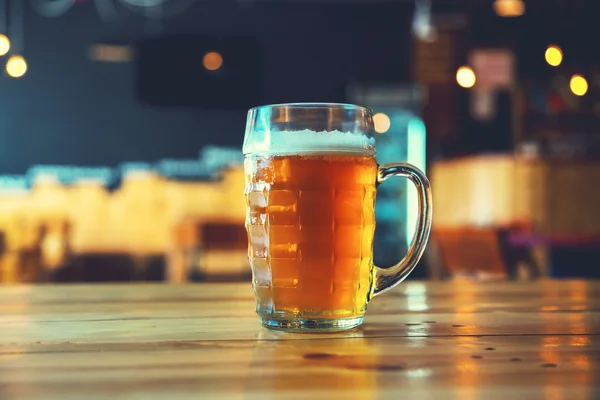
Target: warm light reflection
column 581, row 360
column 579, row 341
column 578, row 291
column 16, row 66
column 419, row 340
column 551, row 341
column 579, row 307
column 509, row 8
column 415, row 289
column 577, row 324
column 553, row 55
column 382, row 122
column 548, row 308
column 212, row 61
column 465, row 301
column 361, row 358
column 4, row 44
column 578, row 85
column 417, row 303
column 467, row 368
column 416, row 297
column 419, row 373
column 465, row 77
column 468, row 341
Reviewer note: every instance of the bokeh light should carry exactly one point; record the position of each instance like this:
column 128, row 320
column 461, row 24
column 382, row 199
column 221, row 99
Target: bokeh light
column 554, row 55
column 4, row 44
column 382, row 122
column 509, row 8
column 16, row 66
column 578, row 85
column 465, row 77
column 212, row 61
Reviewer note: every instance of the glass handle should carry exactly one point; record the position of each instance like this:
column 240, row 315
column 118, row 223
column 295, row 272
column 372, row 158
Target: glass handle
column 387, row 278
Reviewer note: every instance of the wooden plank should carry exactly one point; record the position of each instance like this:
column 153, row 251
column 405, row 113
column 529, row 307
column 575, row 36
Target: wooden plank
column 138, row 293
column 330, row 368
column 132, row 313
column 428, row 340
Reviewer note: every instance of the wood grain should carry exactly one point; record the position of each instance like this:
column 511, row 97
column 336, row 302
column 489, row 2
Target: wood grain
column 428, row 340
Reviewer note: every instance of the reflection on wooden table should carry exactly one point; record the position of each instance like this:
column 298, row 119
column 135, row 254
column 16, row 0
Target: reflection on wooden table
column 431, row 340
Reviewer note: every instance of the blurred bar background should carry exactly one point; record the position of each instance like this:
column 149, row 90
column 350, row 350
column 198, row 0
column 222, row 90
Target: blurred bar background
column 121, row 124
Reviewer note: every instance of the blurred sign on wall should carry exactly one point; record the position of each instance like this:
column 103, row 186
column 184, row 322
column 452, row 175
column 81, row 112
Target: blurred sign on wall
column 494, row 68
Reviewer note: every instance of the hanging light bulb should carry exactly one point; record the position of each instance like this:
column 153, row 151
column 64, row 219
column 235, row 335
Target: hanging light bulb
column 422, row 25
column 553, row 55
column 509, row 8
column 578, row 85
column 4, row 44
column 16, row 66
column 466, row 77
column 212, row 61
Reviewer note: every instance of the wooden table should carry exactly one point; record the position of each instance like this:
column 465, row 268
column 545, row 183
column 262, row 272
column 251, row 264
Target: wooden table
column 419, row 341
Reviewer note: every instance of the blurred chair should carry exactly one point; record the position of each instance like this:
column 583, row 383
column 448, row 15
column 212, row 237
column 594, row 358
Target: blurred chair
column 476, row 209
column 184, row 250
column 54, row 246
column 224, row 252
column 484, row 253
column 21, row 257
column 2, row 261
column 497, row 215
column 471, row 252
column 208, row 251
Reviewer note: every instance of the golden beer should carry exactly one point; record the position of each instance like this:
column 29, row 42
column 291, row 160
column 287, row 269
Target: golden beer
column 310, row 180
column 310, row 223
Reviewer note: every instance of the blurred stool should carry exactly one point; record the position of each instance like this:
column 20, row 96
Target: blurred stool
column 5, row 273
column 484, row 253
column 471, row 253
column 21, row 256
column 148, row 267
column 224, row 253
column 54, row 246
column 184, row 251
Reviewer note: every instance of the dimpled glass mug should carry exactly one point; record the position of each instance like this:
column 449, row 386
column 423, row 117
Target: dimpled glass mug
column 310, row 182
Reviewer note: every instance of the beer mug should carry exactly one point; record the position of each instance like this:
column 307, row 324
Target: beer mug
column 310, row 182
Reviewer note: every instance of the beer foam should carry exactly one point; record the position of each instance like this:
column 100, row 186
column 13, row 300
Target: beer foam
column 308, row 142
